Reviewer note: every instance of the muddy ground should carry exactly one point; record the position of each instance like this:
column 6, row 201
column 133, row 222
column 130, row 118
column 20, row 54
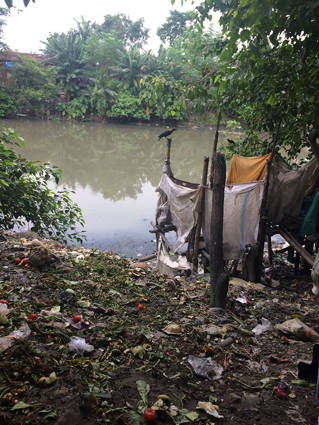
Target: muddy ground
column 141, row 328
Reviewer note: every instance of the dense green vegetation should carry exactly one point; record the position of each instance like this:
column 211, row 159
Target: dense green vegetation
column 103, row 70
column 262, row 69
column 26, row 197
column 269, row 70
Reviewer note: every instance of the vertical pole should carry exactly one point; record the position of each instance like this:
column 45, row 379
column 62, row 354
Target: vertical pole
column 263, row 211
column 215, row 148
column 201, row 200
column 218, row 277
column 167, row 164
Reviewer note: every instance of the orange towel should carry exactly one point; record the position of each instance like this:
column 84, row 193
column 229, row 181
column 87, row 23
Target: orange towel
column 247, row 169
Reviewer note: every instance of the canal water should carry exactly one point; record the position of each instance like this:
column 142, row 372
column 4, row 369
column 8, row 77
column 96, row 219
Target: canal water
column 113, row 170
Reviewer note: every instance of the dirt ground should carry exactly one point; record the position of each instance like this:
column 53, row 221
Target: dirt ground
column 143, row 331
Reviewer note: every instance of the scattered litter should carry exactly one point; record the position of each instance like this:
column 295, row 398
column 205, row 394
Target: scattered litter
column 210, row 408
column 282, row 390
column 203, row 367
column 296, row 328
column 265, row 326
column 243, row 300
column 173, row 329
column 21, row 333
column 79, row 345
column 214, row 330
column 4, row 309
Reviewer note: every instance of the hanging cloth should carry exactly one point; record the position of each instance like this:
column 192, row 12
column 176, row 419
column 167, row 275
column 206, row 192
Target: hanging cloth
column 247, row 169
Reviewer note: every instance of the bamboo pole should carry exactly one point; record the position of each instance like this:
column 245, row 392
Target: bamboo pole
column 201, row 200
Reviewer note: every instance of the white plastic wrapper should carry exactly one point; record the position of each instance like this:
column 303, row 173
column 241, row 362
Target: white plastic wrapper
column 79, row 345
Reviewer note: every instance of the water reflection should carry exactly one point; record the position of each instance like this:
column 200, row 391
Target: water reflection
column 114, row 170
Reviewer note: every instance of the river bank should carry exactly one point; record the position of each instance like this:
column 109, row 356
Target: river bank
column 143, row 332
column 113, row 171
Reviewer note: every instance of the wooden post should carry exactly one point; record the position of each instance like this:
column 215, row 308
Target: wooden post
column 167, row 164
column 263, row 211
column 201, row 200
column 215, row 148
column 218, row 277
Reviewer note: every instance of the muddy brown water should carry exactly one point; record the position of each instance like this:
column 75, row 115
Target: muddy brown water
column 114, row 170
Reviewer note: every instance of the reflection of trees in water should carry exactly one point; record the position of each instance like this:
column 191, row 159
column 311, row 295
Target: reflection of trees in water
column 114, row 160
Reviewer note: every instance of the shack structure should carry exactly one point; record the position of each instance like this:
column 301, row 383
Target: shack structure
column 254, row 193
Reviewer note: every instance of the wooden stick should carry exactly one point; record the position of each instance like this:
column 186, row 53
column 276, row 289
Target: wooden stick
column 218, row 278
column 294, row 243
column 215, row 148
column 201, row 199
column 263, row 211
column 169, row 246
column 146, row 258
column 167, row 164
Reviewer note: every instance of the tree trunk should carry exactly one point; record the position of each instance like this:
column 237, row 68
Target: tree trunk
column 218, row 277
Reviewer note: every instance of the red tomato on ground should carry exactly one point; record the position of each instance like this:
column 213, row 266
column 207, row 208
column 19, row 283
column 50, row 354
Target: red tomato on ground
column 25, row 260
column 77, row 318
column 141, row 307
column 32, row 316
column 150, row 416
column 17, row 260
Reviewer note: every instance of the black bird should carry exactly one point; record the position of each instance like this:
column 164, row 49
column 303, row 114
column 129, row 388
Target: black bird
column 166, row 133
column 231, row 141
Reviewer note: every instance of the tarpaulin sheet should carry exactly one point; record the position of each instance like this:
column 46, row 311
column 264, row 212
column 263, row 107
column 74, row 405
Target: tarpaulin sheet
column 287, row 189
column 241, row 217
column 177, row 205
column 247, row 169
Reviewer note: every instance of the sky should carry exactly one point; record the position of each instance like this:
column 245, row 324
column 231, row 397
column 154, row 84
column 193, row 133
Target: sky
column 25, row 30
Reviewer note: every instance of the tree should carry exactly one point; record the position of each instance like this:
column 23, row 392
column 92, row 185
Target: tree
column 25, row 196
column 270, row 67
column 3, row 12
column 33, row 86
column 132, row 34
column 64, row 51
column 174, row 26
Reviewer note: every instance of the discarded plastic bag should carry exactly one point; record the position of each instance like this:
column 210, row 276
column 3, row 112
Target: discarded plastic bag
column 79, row 345
column 296, row 328
column 21, row 333
column 202, row 367
column 265, row 326
column 209, row 408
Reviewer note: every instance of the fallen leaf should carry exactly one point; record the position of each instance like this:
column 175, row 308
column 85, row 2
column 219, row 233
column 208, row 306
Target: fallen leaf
column 173, row 329
column 48, row 380
column 21, row 405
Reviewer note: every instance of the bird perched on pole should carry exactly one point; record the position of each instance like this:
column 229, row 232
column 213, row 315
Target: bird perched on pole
column 166, row 133
column 231, row 141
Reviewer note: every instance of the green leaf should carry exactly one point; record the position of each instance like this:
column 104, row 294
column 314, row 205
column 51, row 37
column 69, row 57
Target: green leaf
column 143, row 389
column 135, row 418
column 21, row 405
column 302, row 383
